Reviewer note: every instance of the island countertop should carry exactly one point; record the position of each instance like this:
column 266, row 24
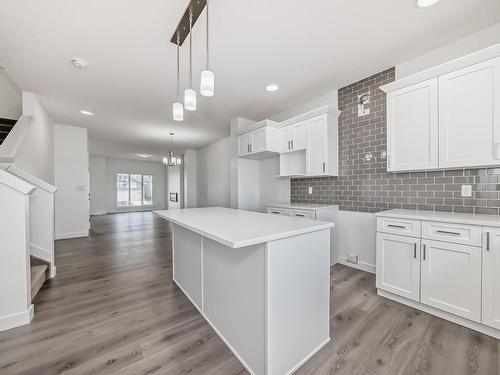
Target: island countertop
column 239, row 228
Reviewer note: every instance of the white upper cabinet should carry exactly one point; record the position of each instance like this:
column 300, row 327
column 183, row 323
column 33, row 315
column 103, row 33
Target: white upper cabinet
column 446, row 117
column 412, row 127
column 491, row 277
column 260, row 143
column 317, row 147
column 469, row 116
column 293, row 137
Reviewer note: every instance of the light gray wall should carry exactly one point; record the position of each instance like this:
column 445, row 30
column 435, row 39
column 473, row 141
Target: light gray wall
column 98, row 190
column 10, row 97
column 36, row 153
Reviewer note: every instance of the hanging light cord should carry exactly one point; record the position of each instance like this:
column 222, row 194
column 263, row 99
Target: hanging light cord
column 208, row 49
column 190, row 51
column 178, row 97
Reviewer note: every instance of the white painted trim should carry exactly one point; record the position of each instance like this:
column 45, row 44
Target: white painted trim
column 360, row 266
column 64, row 236
column 31, row 179
column 16, row 183
column 98, row 212
column 442, row 314
column 40, row 253
column 16, row 320
column 52, row 272
column 451, row 66
column 258, row 125
column 308, row 357
column 327, row 109
column 217, row 331
column 11, row 144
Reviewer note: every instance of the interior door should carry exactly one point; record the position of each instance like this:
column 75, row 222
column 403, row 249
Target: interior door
column 299, row 136
column 451, row 278
column 398, row 265
column 491, row 277
column 412, row 127
column 316, row 151
column 469, row 116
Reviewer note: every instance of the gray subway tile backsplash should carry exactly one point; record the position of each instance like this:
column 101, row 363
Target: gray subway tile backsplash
column 368, row 187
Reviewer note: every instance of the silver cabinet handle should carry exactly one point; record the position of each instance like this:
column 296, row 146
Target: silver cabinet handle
column 300, row 215
column 324, row 167
column 415, row 250
column 289, row 145
column 488, row 241
column 248, row 148
column 447, row 232
column 275, row 212
column 292, row 143
column 388, row 161
column 396, row 226
column 424, row 251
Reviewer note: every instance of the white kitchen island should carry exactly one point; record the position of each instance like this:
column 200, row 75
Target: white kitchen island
column 261, row 281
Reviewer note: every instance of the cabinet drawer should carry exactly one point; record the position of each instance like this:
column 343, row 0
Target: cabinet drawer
column 304, row 213
column 278, row 211
column 406, row 227
column 450, row 232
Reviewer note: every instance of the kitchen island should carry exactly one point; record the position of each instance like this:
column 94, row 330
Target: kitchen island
column 261, row 281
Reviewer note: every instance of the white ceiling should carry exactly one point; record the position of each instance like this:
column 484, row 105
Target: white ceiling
column 307, row 47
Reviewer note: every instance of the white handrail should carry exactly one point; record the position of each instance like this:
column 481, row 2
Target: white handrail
column 11, row 144
column 16, row 183
column 21, row 173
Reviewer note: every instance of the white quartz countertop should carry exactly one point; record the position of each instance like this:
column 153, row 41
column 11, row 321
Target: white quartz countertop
column 302, row 206
column 455, row 217
column 239, row 228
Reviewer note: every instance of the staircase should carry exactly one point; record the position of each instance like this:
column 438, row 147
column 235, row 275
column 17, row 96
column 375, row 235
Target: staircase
column 6, row 126
column 38, row 276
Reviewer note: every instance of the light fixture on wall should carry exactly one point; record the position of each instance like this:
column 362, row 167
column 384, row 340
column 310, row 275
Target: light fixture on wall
column 177, row 108
column 189, row 93
column 171, row 160
column 207, row 83
column 426, row 3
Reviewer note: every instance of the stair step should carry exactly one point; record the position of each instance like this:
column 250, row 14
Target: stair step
column 7, row 121
column 37, row 278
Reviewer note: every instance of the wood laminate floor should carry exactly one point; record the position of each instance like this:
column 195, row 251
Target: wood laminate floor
column 113, row 309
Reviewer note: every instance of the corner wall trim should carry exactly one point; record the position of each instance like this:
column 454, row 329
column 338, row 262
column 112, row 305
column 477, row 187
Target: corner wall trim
column 64, row 236
column 16, row 320
column 360, row 266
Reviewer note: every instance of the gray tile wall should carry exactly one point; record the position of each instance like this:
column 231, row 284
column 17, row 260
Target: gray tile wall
column 367, row 186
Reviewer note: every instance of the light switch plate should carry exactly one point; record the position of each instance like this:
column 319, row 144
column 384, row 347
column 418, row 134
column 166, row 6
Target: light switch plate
column 310, row 190
column 467, row 191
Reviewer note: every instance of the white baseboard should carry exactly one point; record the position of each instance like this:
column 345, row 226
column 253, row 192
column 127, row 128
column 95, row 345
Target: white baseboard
column 442, row 314
column 360, row 266
column 40, row 253
column 96, row 213
column 16, row 320
column 52, row 272
column 63, row 236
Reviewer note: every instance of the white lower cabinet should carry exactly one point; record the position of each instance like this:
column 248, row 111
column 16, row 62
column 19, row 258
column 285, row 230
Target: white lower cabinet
column 398, row 265
column 448, row 268
column 491, row 277
column 451, row 278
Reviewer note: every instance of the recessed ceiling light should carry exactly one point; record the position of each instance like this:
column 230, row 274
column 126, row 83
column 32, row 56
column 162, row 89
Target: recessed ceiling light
column 272, row 87
column 144, row 156
column 78, row 63
column 86, row 113
column 426, row 3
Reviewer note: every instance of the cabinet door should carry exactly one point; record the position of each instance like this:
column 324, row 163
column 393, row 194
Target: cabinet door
column 451, row 278
column 259, row 139
column 286, row 137
column 244, row 143
column 412, row 127
column 491, row 277
column 398, row 265
column 299, row 136
column 316, row 151
column 469, row 116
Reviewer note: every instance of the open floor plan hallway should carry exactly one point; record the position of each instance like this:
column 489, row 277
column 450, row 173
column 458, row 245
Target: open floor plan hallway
column 113, row 309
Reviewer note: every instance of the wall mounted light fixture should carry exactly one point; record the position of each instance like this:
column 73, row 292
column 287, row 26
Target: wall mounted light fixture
column 363, row 101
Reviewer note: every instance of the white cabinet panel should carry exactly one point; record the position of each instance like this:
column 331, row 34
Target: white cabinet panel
column 244, row 144
column 402, row 227
column 259, row 140
column 286, row 136
column 450, row 232
column 316, row 153
column 451, row 278
column 412, row 127
column 299, row 136
column 304, row 213
column 398, row 265
column 279, row 211
column 491, row 278
column 469, row 116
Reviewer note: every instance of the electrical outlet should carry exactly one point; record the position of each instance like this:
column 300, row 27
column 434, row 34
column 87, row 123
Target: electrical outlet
column 352, row 259
column 467, row 191
column 310, row 190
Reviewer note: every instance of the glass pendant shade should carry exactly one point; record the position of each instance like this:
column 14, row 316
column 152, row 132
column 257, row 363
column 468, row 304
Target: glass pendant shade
column 190, row 100
column 207, row 83
column 178, row 111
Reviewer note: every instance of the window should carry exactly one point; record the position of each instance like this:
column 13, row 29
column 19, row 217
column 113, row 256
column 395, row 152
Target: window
column 134, row 190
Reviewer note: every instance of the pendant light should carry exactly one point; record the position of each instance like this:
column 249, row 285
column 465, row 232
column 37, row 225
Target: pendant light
column 190, row 94
column 171, row 160
column 207, row 83
column 177, row 109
